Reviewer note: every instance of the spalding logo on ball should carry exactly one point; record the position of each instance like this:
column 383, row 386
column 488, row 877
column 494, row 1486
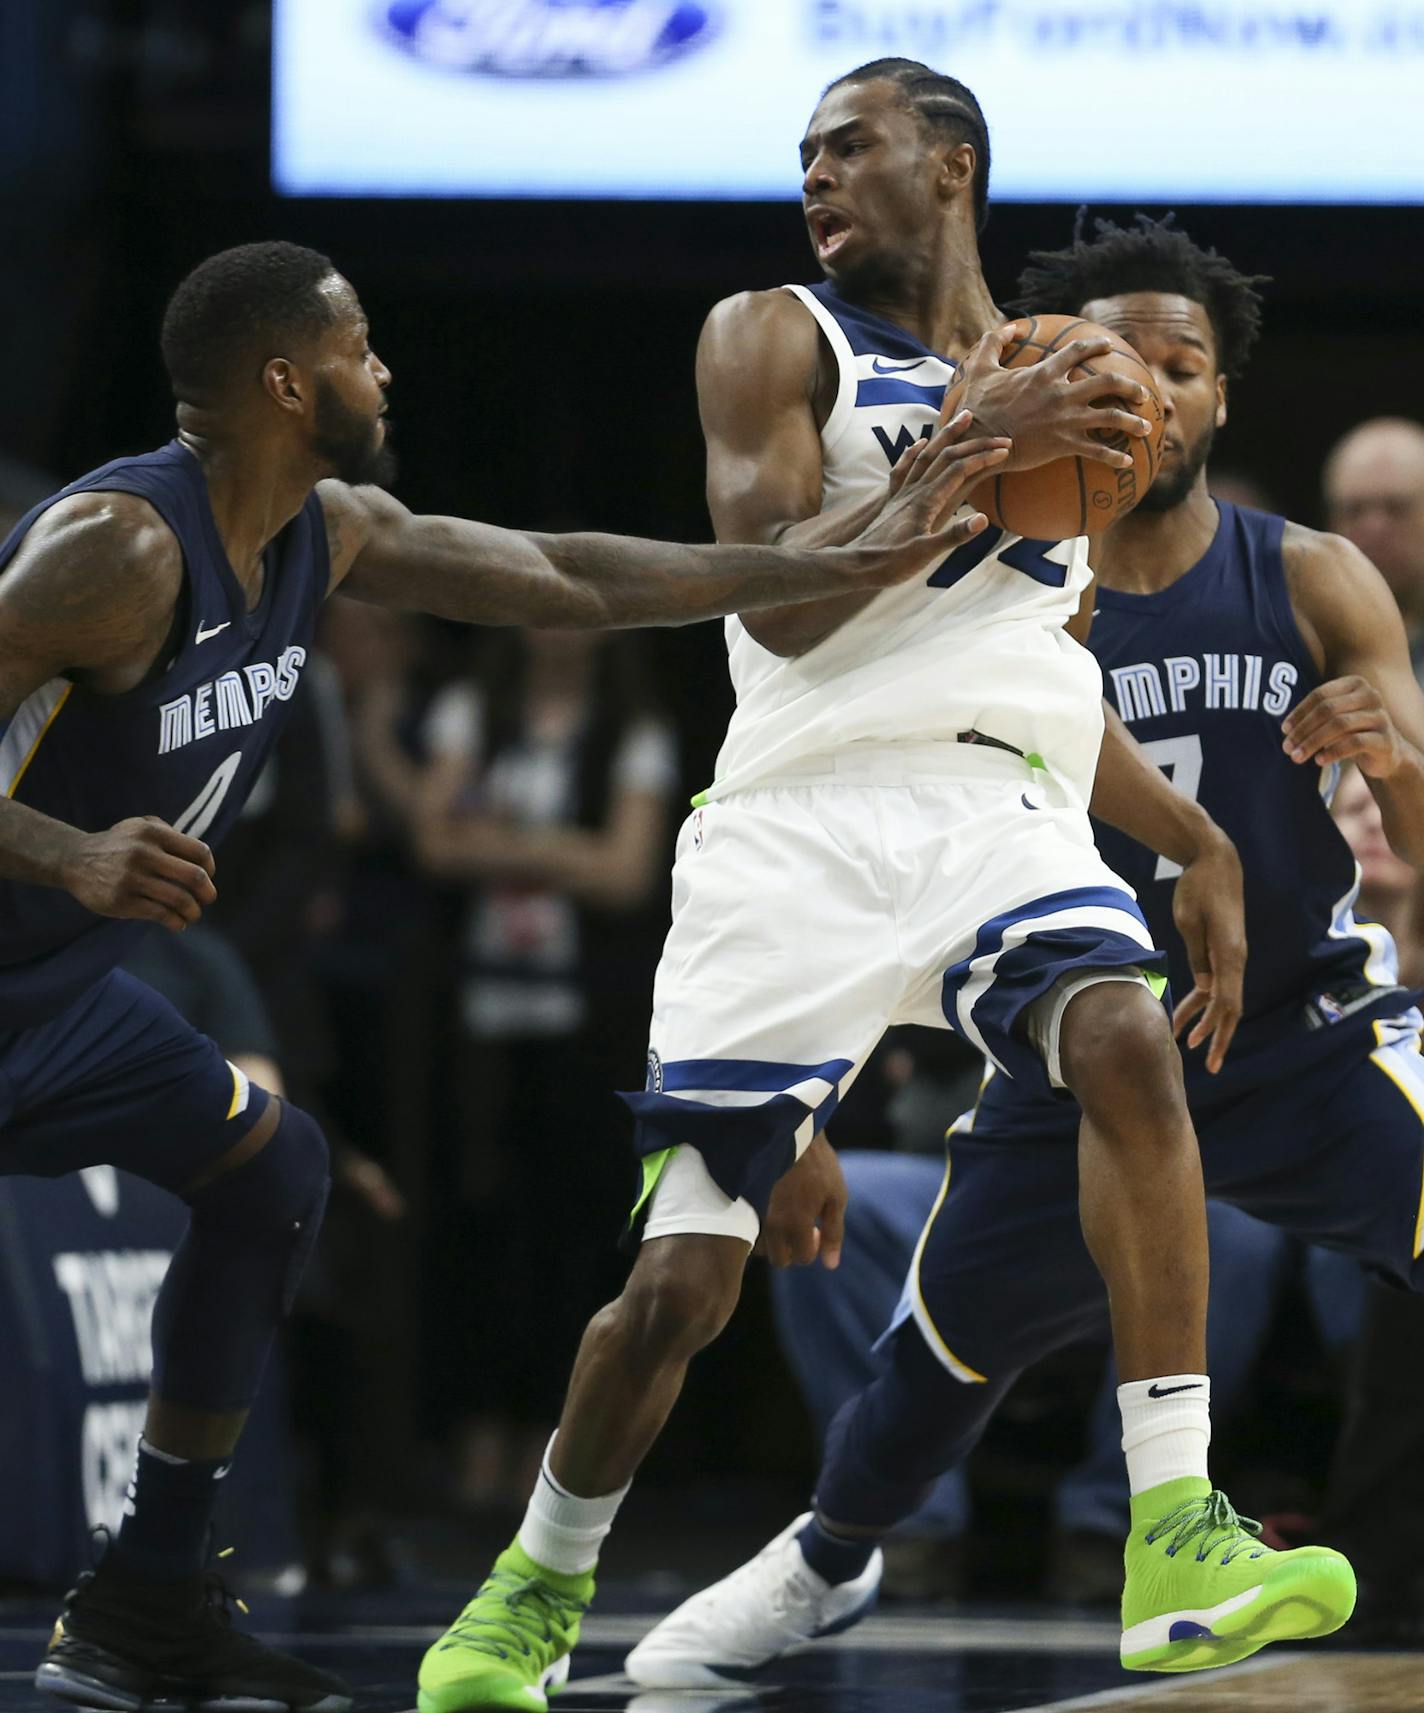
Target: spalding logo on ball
column 1072, row 495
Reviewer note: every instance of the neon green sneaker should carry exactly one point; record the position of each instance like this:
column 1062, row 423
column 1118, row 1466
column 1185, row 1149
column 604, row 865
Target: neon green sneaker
column 510, row 1647
column 1201, row 1590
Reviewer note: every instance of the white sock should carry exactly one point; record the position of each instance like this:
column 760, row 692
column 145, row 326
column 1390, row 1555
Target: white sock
column 561, row 1531
column 1166, row 1428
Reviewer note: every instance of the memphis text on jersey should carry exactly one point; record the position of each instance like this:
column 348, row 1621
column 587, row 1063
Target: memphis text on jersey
column 1188, row 682
column 238, row 698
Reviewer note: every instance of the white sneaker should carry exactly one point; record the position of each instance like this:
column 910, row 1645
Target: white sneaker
column 772, row 1603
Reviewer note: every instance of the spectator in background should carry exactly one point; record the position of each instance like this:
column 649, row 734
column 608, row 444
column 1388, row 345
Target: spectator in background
column 281, row 868
column 203, row 977
column 547, row 795
column 1374, row 496
column 1375, row 1501
column 382, row 964
column 1388, row 885
column 1240, row 488
column 280, row 899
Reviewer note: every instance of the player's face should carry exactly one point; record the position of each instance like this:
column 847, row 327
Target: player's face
column 868, row 186
column 1173, row 336
column 1359, row 819
column 349, row 422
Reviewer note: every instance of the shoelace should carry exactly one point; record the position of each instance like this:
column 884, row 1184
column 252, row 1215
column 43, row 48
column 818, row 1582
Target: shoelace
column 499, row 1619
column 218, row 1597
column 1214, row 1521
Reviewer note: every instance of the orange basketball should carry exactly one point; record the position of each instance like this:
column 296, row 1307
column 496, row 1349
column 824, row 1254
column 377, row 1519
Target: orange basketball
column 1072, row 495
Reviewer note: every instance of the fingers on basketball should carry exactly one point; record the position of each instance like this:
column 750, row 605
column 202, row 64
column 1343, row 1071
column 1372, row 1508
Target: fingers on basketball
column 1072, row 495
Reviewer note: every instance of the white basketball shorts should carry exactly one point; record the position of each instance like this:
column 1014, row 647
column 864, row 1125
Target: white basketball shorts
column 809, row 916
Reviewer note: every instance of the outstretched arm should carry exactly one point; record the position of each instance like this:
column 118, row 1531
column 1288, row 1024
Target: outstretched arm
column 1132, row 794
column 457, row 569
column 1370, row 709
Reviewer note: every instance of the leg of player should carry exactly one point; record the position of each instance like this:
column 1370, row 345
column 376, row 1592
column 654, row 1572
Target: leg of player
column 977, row 1318
column 149, row 1622
column 511, row 1644
column 821, row 1574
column 1143, row 1214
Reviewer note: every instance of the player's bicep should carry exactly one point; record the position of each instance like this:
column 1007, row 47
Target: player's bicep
column 92, row 584
column 756, row 365
column 1348, row 606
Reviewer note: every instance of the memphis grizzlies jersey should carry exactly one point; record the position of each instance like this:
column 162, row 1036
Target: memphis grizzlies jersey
column 976, row 643
column 1203, row 673
column 186, row 745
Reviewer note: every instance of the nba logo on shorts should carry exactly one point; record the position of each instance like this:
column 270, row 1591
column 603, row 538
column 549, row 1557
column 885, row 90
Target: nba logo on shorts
column 697, row 834
column 655, row 1072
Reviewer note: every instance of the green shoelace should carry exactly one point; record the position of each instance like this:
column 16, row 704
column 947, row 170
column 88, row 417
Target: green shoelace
column 511, row 1612
column 1214, row 1522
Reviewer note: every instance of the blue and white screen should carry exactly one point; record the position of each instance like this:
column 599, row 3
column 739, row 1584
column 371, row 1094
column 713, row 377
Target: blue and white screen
column 1107, row 100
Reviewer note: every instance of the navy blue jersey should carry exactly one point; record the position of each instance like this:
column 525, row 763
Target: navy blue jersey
column 1203, row 673
column 185, row 746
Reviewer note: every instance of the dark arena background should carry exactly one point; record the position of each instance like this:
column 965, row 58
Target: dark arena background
column 542, row 351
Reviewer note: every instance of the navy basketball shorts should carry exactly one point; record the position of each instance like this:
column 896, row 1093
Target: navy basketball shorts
column 1332, row 1152
column 119, row 1079
column 808, row 917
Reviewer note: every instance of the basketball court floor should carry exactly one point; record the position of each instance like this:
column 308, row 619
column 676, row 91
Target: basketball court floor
column 909, row 1661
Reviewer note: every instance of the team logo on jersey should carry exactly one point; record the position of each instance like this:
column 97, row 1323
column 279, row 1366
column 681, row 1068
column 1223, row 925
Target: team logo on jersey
column 235, row 699
column 655, row 1072
column 548, row 38
column 1183, row 683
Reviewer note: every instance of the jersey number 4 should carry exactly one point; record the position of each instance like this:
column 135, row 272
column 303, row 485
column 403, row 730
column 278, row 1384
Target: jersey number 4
column 203, row 810
column 1030, row 557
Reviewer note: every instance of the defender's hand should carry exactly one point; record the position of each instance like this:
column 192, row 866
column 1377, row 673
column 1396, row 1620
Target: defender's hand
column 908, row 535
column 1345, row 720
column 143, row 870
column 1209, row 908
column 805, row 1219
column 1045, row 414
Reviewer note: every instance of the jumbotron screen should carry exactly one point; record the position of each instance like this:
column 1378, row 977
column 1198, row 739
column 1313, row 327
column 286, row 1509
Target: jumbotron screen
column 1108, row 100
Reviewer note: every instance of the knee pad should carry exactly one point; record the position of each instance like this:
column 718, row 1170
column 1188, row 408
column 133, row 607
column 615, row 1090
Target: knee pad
column 235, row 1274
column 277, row 1198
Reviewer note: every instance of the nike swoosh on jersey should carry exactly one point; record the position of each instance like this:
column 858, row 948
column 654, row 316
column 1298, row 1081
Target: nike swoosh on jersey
column 896, row 368
column 203, row 635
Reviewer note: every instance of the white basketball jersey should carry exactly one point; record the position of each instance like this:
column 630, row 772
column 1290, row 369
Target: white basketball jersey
column 977, row 644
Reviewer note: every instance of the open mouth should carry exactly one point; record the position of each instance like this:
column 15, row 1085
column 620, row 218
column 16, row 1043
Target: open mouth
column 829, row 231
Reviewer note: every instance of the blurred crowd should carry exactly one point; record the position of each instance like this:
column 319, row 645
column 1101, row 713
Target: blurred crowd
column 436, row 928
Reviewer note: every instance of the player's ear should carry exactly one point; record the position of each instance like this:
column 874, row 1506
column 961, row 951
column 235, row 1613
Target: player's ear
column 284, row 383
column 957, row 167
column 1221, row 401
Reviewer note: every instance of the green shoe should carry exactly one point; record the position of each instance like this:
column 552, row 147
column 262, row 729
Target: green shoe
column 510, row 1647
column 1201, row 1590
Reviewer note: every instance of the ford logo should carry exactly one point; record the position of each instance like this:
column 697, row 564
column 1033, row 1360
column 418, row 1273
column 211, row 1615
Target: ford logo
column 548, row 38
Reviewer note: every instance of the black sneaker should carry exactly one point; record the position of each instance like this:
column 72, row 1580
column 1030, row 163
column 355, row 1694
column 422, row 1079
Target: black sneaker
column 123, row 1643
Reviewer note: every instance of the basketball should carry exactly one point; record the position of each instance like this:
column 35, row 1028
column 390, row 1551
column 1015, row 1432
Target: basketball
column 1072, row 495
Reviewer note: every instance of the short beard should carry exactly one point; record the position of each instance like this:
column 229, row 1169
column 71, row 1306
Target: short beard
column 1168, row 492
column 350, row 443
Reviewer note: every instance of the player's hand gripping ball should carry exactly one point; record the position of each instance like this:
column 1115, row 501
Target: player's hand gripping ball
column 1075, row 494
